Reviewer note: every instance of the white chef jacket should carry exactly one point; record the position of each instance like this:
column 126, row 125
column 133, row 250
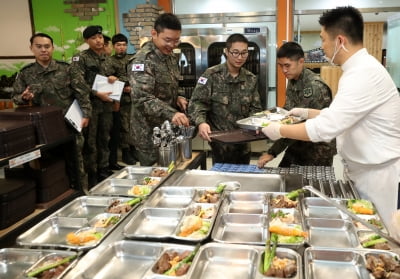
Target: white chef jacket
column 364, row 118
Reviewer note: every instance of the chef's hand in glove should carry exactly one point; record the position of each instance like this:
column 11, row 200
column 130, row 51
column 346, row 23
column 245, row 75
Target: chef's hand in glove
column 272, row 131
column 299, row 112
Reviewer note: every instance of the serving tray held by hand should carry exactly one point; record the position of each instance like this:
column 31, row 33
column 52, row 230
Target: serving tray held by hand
column 237, row 136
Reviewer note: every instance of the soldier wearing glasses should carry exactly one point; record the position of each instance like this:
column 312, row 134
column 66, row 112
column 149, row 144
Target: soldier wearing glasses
column 153, row 75
column 224, row 94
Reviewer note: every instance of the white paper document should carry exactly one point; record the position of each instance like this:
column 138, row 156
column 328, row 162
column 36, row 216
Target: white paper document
column 74, row 115
column 101, row 84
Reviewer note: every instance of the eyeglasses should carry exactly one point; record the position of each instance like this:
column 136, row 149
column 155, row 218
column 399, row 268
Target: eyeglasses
column 236, row 54
column 171, row 42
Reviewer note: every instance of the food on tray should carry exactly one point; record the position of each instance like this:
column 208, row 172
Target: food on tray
column 194, row 227
column 361, row 207
column 139, row 190
column 292, row 232
column 84, row 237
column 107, row 222
column 150, row 181
column 209, row 196
column 203, row 212
column 373, row 221
column 120, row 207
column 374, row 241
column 174, row 263
column 274, row 266
column 284, row 217
column 51, row 268
column 159, row 172
column 383, row 266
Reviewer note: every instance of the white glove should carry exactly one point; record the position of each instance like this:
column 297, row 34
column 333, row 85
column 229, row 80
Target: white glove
column 299, row 112
column 272, row 131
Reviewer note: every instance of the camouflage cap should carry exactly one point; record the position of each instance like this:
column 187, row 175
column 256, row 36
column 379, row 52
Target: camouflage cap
column 92, row 30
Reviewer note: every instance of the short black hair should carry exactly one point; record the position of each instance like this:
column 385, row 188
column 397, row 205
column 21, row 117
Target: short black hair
column 167, row 21
column 344, row 20
column 119, row 38
column 291, row 50
column 234, row 38
column 40, row 35
column 106, row 39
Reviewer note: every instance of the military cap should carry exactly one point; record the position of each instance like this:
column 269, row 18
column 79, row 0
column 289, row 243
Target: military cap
column 92, row 30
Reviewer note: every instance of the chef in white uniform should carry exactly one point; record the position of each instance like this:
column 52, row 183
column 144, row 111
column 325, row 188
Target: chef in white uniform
column 364, row 117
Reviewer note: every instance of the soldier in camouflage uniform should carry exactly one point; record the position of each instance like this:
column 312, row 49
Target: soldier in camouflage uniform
column 46, row 82
column 153, row 75
column 116, row 65
column 305, row 89
column 84, row 68
column 224, row 94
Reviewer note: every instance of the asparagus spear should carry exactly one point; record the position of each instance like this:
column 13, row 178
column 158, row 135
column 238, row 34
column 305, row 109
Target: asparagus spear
column 39, row 270
column 269, row 253
column 375, row 239
column 187, row 259
column 134, row 201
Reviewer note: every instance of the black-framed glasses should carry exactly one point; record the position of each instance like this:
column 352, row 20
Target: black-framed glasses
column 236, row 54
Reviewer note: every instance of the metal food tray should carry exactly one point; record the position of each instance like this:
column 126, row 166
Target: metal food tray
column 262, row 119
column 15, row 262
column 136, row 172
column 80, row 214
column 330, row 227
column 162, row 215
column 120, row 187
column 233, row 261
column 244, row 219
column 137, row 259
column 248, row 182
column 338, row 263
column 130, row 259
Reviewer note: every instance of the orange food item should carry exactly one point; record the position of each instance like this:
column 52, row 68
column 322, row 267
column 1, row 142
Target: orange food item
column 192, row 225
column 362, row 209
column 287, row 231
column 79, row 239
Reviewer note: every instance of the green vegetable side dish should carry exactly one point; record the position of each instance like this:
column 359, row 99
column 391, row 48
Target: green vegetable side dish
column 360, row 206
column 134, row 201
column 372, row 240
column 269, row 253
column 188, row 259
column 293, row 195
column 39, row 270
column 265, row 124
column 220, row 188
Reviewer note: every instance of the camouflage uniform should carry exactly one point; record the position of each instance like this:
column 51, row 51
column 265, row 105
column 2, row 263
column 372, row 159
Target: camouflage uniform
column 52, row 86
column 116, row 65
column 153, row 77
column 309, row 91
column 84, row 68
column 220, row 100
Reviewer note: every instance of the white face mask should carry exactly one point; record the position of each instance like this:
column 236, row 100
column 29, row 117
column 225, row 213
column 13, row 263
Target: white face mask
column 336, row 51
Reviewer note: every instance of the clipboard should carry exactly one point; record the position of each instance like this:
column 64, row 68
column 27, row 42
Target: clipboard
column 74, row 116
column 101, row 84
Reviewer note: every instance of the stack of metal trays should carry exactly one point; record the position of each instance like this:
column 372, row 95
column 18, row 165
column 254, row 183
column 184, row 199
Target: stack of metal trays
column 176, row 213
column 244, row 218
column 80, row 225
column 336, row 242
column 141, row 259
column 249, row 182
column 18, row 262
column 131, row 181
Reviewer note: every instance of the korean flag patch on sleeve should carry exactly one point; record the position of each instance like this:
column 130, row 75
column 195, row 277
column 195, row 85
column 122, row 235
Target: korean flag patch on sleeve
column 75, row 58
column 202, row 80
column 138, row 67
